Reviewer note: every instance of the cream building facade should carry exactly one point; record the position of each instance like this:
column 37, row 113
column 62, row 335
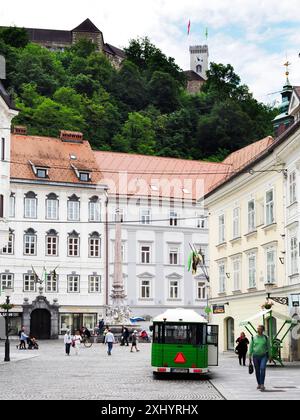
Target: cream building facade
column 247, row 244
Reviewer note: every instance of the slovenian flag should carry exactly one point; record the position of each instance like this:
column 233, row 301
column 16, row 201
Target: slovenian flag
column 189, row 27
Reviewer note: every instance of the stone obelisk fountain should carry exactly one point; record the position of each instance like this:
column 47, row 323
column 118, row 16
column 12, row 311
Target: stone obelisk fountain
column 118, row 313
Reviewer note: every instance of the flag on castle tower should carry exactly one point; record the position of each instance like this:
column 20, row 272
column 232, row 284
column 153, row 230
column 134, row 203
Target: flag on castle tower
column 189, row 27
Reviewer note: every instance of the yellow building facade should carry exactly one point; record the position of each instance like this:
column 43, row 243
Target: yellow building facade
column 247, row 246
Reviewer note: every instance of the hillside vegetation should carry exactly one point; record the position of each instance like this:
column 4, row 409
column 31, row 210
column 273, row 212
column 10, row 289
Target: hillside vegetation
column 142, row 108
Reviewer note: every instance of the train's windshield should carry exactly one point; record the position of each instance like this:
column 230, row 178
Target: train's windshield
column 194, row 334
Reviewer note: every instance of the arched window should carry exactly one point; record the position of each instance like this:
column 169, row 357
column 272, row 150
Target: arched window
column 73, row 244
column 52, row 243
column 94, row 209
column 30, row 242
column 30, row 205
column 199, row 68
column 52, row 207
column 230, row 334
column 95, row 245
column 74, row 208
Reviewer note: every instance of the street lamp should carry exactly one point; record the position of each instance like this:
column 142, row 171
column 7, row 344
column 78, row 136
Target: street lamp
column 7, row 306
column 282, row 300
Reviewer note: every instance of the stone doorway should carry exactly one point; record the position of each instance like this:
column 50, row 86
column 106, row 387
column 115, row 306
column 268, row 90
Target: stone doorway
column 40, row 318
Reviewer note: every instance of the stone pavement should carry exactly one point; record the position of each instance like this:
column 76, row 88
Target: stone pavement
column 94, row 376
column 49, row 374
column 235, row 383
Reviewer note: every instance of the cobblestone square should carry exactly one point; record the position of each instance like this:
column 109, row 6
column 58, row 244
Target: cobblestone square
column 92, row 376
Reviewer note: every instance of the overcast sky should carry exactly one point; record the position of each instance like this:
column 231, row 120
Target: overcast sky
column 255, row 36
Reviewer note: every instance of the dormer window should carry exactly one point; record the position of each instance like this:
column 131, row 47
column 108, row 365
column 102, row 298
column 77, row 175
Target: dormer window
column 84, row 176
column 41, row 173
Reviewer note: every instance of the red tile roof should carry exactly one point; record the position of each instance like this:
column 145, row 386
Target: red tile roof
column 54, row 154
column 144, row 173
column 243, row 157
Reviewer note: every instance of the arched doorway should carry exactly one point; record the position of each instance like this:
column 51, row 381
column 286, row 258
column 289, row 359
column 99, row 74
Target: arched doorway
column 271, row 327
column 230, row 333
column 40, row 324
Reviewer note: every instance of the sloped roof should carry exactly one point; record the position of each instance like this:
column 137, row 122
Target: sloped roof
column 86, row 26
column 49, row 35
column 152, row 175
column 54, row 154
column 192, row 75
column 110, row 49
column 242, row 157
column 297, row 90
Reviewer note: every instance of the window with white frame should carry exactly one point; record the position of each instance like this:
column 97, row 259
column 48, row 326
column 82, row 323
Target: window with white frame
column 95, row 209
column 95, row 245
column 7, row 281
column 12, row 206
column 252, row 270
column 200, row 222
column 173, row 255
column 51, row 283
column 201, row 290
column 145, row 254
column 270, row 207
column 9, row 249
column 222, row 228
column 73, row 244
column 294, row 255
column 292, row 187
column 236, row 264
column 251, row 216
column 30, row 206
column 173, row 289
column 74, row 209
column 29, row 283
column 271, row 265
column 52, row 243
column 30, row 241
column 145, row 289
column 52, row 207
column 94, row 284
column 73, row 284
column 236, row 223
column 173, row 218
column 121, row 214
column 145, row 216
column 222, row 281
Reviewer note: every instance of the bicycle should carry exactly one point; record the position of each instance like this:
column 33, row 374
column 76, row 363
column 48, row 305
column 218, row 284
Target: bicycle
column 86, row 341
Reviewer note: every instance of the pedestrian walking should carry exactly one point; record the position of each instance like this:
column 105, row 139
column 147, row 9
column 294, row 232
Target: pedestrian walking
column 68, row 342
column 125, row 336
column 22, row 339
column 109, row 340
column 242, row 348
column 76, row 340
column 101, row 326
column 260, row 352
column 134, row 340
column 104, row 334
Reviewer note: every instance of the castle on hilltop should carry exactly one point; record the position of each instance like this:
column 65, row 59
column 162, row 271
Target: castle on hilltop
column 58, row 40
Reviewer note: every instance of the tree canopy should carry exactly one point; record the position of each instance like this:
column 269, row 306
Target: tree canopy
column 142, row 108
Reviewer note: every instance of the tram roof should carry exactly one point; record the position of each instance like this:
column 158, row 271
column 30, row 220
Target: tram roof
column 180, row 315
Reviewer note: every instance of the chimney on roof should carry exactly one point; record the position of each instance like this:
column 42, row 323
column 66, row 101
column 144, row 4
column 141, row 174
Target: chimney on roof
column 20, row 130
column 71, row 136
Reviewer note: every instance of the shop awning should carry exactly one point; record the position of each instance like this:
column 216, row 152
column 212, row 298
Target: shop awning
column 256, row 316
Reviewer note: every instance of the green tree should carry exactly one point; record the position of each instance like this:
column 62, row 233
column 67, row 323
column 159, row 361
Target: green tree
column 137, row 135
column 164, row 92
column 15, row 37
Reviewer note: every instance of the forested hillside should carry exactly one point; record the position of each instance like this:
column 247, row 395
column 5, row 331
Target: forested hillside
column 143, row 108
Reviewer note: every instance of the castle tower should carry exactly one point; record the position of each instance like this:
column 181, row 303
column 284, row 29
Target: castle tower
column 199, row 60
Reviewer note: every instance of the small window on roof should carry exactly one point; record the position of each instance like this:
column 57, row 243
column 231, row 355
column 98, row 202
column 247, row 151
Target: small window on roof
column 41, row 172
column 84, row 176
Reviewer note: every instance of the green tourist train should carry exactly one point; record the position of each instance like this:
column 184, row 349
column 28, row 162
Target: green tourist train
column 183, row 342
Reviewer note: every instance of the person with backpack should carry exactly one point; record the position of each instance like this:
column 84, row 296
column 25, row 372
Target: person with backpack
column 260, row 352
